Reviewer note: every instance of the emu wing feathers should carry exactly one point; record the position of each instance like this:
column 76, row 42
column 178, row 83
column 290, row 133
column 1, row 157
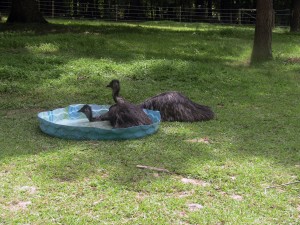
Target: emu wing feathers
column 174, row 106
column 123, row 115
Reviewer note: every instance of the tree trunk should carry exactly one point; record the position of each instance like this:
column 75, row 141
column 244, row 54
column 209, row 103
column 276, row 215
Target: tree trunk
column 25, row 11
column 295, row 17
column 262, row 48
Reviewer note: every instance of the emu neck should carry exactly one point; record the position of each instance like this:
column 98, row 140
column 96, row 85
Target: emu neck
column 120, row 100
column 116, row 94
column 90, row 116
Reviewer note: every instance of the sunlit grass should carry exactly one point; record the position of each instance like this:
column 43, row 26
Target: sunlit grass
column 43, row 48
column 252, row 144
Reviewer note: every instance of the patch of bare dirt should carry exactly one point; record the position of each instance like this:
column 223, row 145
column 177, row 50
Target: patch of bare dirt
column 194, row 182
column 28, row 189
column 194, row 207
column 140, row 196
column 204, row 140
column 233, row 196
column 18, row 205
column 293, row 60
column 237, row 197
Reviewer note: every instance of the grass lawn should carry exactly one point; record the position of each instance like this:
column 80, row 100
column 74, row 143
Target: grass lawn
column 219, row 168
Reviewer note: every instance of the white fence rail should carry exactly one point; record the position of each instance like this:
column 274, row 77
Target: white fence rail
column 93, row 10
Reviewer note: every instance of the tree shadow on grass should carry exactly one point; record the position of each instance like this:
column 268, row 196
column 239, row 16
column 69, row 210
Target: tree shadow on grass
column 119, row 159
column 49, row 56
column 115, row 161
column 109, row 34
column 173, row 67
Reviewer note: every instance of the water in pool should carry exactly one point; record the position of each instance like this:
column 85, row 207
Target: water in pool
column 85, row 123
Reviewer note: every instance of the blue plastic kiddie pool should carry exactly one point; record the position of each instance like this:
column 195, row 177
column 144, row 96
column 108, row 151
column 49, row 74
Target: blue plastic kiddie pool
column 68, row 123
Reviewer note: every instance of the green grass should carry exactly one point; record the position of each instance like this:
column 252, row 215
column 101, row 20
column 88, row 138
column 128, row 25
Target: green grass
column 254, row 140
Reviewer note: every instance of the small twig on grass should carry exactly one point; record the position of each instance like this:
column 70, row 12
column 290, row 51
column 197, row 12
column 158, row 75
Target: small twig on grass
column 153, row 168
column 275, row 186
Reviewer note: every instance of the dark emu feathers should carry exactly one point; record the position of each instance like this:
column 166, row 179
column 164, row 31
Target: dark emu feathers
column 173, row 106
column 122, row 114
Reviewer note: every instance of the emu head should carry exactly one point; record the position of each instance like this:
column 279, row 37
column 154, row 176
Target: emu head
column 87, row 110
column 115, row 85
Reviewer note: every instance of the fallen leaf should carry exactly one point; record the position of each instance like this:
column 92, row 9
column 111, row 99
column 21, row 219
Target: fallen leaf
column 195, row 207
column 237, row 197
column 233, row 178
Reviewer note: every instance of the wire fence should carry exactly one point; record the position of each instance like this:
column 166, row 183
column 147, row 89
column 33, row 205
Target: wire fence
column 98, row 11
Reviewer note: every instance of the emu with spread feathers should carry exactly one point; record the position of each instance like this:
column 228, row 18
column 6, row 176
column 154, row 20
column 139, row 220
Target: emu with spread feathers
column 173, row 106
column 122, row 114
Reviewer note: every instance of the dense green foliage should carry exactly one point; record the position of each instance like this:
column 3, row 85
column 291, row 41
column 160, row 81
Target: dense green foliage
column 253, row 143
